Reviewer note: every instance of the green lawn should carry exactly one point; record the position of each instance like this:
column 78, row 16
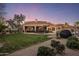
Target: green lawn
column 13, row 42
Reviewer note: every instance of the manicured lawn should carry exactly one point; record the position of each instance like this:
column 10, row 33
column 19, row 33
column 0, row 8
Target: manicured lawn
column 13, row 42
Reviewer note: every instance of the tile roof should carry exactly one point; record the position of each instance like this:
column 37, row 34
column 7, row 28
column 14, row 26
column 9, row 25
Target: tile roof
column 38, row 22
column 45, row 22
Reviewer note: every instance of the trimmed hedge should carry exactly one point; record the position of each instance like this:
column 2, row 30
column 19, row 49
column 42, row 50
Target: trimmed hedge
column 60, row 48
column 57, row 48
column 73, row 43
column 73, row 38
column 54, row 43
column 45, row 51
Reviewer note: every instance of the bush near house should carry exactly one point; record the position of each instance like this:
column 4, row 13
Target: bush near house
column 57, row 48
column 73, row 43
column 60, row 48
column 45, row 51
column 54, row 43
column 65, row 34
column 73, row 38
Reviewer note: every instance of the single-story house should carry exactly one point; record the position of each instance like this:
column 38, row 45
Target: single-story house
column 44, row 26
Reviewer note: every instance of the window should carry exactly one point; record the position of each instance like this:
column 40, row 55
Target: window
column 53, row 29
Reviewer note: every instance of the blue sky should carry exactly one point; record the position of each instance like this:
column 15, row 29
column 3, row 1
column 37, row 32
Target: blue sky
column 55, row 13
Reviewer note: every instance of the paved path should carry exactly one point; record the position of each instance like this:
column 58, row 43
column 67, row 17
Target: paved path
column 32, row 50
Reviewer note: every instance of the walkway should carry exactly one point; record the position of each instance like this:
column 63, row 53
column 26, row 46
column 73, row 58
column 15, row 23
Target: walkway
column 30, row 51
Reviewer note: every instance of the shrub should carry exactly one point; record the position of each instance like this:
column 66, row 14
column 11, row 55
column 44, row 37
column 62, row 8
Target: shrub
column 45, row 51
column 73, row 43
column 73, row 38
column 65, row 34
column 60, row 48
column 54, row 43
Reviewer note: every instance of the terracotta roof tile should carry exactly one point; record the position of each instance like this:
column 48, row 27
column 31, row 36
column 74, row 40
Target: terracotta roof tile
column 37, row 22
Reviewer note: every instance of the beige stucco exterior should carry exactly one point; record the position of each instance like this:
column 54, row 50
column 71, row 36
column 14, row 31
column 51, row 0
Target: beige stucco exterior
column 35, row 26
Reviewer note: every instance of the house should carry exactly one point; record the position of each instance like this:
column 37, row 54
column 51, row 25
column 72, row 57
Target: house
column 44, row 26
column 37, row 26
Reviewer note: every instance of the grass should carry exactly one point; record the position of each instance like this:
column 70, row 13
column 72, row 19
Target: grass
column 13, row 42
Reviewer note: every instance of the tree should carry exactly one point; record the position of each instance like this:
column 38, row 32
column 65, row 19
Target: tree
column 18, row 20
column 2, row 26
column 11, row 26
column 2, row 13
column 77, row 22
